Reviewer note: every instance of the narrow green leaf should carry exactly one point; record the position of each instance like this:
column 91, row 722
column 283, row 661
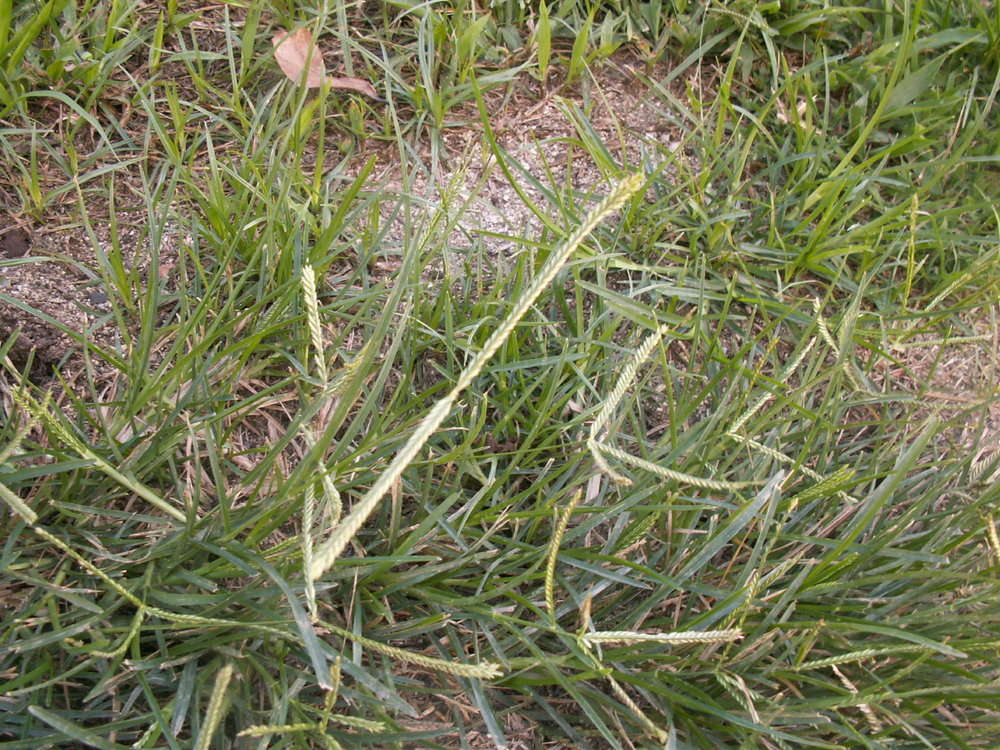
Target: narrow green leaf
column 310, row 641
column 72, row 730
column 733, row 527
column 543, row 38
column 874, row 503
column 913, row 85
column 577, row 56
column 216, row 710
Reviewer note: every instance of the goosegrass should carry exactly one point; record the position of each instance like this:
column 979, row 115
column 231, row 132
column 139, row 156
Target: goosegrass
column 669, row 474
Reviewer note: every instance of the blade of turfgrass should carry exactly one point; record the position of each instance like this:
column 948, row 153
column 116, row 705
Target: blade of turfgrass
column 310, row 640
column 216, row 709
column 746, row 515
column 875, row 502
column 72, row 730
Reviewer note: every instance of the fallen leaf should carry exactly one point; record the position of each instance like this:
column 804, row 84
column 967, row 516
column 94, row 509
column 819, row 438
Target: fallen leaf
column 294, row 51
column 353, row 84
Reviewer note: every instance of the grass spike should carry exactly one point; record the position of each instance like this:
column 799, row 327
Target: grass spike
column 483, row 671
column 992, row 537
column 676, row 476
column 125, row 593
column 216, row 707
column 595, row 447
column 356, row 722
column 345, row 531
column 676, row 639
column 842, row 476
column 738, row 689
column 786, row 373
column 625, row 379
column 262, row 730
column 865, row 708
column 619, row 691
column 18, row 505
column 330, row 699
column 562, row 520
column 27, row 425
column 308, row 282
column 35, row 409
column 874, row 653
column 308, row 522
column 186, row 379
column 122, row 647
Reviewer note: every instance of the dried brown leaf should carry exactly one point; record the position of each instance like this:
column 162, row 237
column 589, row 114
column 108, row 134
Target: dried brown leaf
column 294, row 51
column 353, row 84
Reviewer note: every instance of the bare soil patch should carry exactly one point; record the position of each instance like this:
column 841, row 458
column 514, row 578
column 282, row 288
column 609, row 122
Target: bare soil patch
column 49, row 266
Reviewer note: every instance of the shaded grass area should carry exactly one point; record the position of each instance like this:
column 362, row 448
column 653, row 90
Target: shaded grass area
column 739, row 532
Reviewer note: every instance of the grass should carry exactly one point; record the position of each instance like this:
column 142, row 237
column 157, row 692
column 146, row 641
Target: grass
column 668, row 476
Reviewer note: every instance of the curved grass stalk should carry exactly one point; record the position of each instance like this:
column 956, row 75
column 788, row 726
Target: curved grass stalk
column 308, row 508
column 585, row 643
column 216, row 707
column 308, row 281
column 991, row 535
column 679, row 638
column 786, row 374
column 625, row 380
column 660, row 734
column 311, row 297
column 611, row 403
column 598, row 427
column 484, row 671
column 344, row 532
column 676, row 476
column 41, row 413
column 562, row 520
column 31, row 518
